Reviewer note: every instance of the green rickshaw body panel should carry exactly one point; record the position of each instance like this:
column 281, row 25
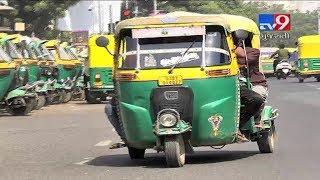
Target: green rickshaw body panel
column 5, row 82
column 105, row 76
column 33, row 73
column 212, row 96
column 16, row 93
column 64, row 73
column 267, row 68
column 313, row 65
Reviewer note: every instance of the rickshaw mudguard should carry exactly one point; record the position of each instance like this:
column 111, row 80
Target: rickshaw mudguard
column 180, row 128
column 138, row 126
column 16, row 93
column 266, row 116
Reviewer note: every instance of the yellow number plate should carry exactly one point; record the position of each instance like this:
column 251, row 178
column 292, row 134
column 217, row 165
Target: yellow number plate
column 170, row 80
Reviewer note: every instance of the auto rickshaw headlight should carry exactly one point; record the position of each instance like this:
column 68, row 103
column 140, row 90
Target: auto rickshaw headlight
column 168, row 120
column 305, row 64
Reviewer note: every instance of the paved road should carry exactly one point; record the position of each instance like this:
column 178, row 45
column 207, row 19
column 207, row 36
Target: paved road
column 71, row 141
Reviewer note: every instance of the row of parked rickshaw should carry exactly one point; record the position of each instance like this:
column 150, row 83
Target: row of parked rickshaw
column 35, row 73
column 305, row 59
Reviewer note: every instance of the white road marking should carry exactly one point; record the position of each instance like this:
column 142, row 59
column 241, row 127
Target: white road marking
column 103, row 143
column 318, row 88
column 311, row 85
column 82, row 162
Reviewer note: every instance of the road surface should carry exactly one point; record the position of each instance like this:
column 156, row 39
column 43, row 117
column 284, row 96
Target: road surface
column 71, row 141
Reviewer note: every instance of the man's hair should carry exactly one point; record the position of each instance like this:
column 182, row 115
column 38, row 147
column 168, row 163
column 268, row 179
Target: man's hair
column 282, row 46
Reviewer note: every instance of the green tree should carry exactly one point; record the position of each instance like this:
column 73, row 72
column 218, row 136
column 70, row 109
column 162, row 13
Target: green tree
column 301, row 23
column 38, row 15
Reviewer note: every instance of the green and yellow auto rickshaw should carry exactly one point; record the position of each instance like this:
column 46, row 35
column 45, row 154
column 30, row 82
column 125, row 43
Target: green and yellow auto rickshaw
column 17, row 99
column 66, row 69
column 98, row 78
column 78, row 85
column 309, row 57
column 33, row 64
column 177, row 84
column 266, row 63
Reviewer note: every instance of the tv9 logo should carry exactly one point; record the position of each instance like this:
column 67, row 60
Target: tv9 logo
column 274, row 22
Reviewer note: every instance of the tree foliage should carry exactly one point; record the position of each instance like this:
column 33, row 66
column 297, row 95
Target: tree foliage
column 301, row 23
column 38, row 15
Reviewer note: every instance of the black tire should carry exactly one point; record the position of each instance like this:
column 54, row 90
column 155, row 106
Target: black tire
column 22, row 111
column 174, row 151
column 67, row 97
column 91, row 99
column 300, row 80
column 135, row 153
column 278, row 75
column 266, row 141
column 40, row 102
column 318, row 79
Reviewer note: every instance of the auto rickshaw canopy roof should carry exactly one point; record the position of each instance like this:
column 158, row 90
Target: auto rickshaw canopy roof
column 308, row 46
column 229, row 22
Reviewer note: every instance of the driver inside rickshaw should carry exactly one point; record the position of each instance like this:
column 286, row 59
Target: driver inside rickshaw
column 253, row 99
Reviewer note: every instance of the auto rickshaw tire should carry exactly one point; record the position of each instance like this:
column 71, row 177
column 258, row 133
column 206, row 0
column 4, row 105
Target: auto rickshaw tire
column 40, row 102
column 266, row 141
column 318, row 79
column 67, row 97
column 24, row 110
column 174, row 149
column 91, row 99
column 301, row 80
column 135, row 153
column 61, row 96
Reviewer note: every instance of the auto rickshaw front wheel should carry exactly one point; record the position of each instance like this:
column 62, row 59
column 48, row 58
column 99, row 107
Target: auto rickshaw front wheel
column 22, row 110
column 135, row 153
column 266, row 141
column 174, row 150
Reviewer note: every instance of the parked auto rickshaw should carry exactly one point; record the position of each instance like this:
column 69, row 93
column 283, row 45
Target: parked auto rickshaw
column 266, row 63
column 98, row 80
column 49, row 71
column 177, row 84
column 18, row 100
column 78, row 85
column 33, row 65
column 66, row 69
column 309, row 57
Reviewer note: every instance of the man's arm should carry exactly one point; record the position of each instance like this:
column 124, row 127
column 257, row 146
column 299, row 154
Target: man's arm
column 275, row 53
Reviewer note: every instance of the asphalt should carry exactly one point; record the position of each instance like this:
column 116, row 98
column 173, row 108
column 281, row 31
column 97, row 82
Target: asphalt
column 71, row 141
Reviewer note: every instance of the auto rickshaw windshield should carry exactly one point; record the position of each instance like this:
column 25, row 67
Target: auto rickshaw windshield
column 43, row 52
column 4, row 56
column 12, row 51
column 63, row 54
column 210, row 49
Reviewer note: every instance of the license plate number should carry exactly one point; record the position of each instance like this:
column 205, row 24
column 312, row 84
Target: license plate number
column 170, row 80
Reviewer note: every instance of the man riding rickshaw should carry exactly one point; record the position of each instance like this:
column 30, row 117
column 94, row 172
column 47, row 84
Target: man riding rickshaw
column 178, row 87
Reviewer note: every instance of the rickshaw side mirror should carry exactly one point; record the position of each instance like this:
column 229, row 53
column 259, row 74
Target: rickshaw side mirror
column 102, row 42
column 241, row 34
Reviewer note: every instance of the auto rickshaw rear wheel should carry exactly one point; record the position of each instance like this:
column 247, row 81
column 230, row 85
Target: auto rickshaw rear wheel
column 174, row 149
column 41, row 101
column 318, row 79
column 135, row 153
column 67, row 96
column 266, row 141
column 300, row 79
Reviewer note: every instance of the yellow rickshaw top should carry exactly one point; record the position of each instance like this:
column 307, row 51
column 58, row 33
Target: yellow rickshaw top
column 229, row 22
column 52, row 43
column 311, row 39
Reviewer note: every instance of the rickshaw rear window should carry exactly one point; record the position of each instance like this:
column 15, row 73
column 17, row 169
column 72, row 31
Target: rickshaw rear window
column 164, row 52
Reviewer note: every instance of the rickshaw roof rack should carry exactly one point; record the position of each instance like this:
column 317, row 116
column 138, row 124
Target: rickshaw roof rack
column 314, row 39
column 229, row 22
